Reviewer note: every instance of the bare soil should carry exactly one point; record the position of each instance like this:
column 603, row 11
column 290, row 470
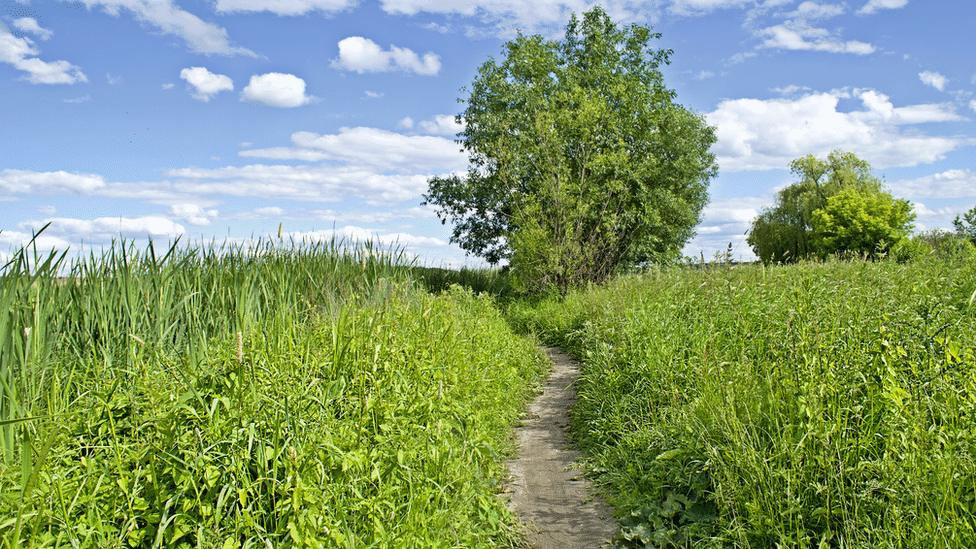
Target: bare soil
column 548, row 491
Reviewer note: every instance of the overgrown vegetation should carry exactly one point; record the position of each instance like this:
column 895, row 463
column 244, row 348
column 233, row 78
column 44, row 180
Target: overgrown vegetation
column 274, row 395
column 811, row 405
column 582, row 162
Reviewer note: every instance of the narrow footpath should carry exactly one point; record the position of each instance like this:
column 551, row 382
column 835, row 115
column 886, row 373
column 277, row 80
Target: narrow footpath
column 549, row 495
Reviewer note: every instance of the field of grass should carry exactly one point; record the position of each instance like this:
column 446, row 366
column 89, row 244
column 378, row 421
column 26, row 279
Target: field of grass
column 302, row 395
column 817, row 405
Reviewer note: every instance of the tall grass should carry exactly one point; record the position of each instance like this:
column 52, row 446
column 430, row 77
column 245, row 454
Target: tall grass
column 812, row 405
column 308, row 394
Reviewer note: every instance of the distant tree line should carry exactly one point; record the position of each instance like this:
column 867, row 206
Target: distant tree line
column 838, row 207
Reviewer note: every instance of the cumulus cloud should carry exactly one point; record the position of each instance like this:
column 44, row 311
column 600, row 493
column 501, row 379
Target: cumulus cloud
column 724, row 221
column 362, row 55
column 103, row 229
column 406, row 123
column 284, row 7
column 193, row 214
column 799, row 35
column 815, row 10
column 21, row 53
column 370, row 147
column 27, row 181
column 30, row 25
column 168, row 18
column 947, row 184
column 757, row 134
column 205, row 83
column 276, row 89
column 874, row 6
column 318, row 183
column 933, row 79
column 441, row 124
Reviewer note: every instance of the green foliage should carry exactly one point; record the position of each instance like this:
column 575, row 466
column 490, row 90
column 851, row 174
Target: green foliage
column 837, row 206
column 306, row 396
column 581, row 160
column 861, row 223
column 811, row 405
column 965, row 225
column 937, row 244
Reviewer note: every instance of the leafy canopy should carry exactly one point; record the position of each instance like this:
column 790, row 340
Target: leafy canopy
column 837, row 206
column 581, row 161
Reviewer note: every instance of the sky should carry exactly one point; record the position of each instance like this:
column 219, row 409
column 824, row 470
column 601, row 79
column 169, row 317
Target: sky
column 230, row 119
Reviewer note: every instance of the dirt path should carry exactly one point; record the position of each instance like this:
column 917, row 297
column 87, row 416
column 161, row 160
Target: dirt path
column 548, row 493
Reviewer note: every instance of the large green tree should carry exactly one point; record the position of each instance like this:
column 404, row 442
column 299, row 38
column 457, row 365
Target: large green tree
column 581, row 161
column 836, row 206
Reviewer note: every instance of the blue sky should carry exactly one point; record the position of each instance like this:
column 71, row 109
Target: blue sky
column 226, row 118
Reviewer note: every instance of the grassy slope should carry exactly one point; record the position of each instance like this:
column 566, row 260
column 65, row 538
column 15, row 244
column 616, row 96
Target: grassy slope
column 796, row 406
column 353, row 409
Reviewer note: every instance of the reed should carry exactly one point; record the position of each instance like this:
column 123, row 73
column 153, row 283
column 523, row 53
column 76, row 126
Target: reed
column 251, row 394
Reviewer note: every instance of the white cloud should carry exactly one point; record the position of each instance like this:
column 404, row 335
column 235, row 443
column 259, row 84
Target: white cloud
column 874, row 6
column 205, row 83
column 168, row 86
column 406, row 123
column 441, row 124
column 373, row 94
column 798, row 35
column 193, row 214
column 103, row 229
column 362, row 55
column 199, row 35
column 947, row 184
column 436, row 27
column 724, row 221
column 26, row 181
column 756, row 134
column 507, row 16
column 17, row 239
column 78, row 100
column 284, row 7
column 733, row 211
column 360, row 234
column 21, row 53
column 306, row 183
column 972, row 105
column 699, row 7
column 816, row 10
column 376, row 216
column 939, row 217
column 933, row 79
column 269, row 211
column 370, row 147
column 30, row 25
column 791, row 89
column 276, row 89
